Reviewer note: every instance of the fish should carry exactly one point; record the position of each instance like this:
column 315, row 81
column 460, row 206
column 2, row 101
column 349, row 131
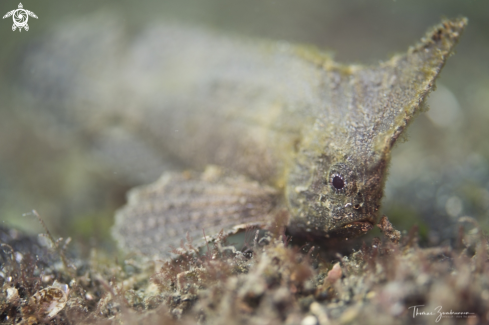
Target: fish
column 287, row 127
column 257, row 128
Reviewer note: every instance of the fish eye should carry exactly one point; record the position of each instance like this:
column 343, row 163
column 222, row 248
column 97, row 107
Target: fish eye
column 341, row 179
column 338, row 182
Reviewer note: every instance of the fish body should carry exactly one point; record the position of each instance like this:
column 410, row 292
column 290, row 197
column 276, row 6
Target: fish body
column 262, row 127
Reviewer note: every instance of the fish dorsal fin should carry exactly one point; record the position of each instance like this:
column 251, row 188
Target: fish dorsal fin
column 159, row 215
column 371, row 106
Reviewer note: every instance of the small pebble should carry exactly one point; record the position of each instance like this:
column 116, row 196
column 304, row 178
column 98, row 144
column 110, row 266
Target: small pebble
column 310, row 320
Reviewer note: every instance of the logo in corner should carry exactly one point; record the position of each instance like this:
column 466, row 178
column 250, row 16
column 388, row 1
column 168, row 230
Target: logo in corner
column 20, row 17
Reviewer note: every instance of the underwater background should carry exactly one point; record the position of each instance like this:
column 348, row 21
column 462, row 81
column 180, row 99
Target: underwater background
column 441, row 173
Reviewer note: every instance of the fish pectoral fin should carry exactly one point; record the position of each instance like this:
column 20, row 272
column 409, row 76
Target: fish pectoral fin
column 181, row 206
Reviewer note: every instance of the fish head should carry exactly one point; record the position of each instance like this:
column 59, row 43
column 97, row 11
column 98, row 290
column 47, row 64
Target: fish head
column 335, row 185
column 336, row 194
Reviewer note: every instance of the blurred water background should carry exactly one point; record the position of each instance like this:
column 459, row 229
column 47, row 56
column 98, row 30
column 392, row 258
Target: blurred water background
column 440, row 174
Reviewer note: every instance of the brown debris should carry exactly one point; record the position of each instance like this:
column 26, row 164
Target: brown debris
column 388, row 230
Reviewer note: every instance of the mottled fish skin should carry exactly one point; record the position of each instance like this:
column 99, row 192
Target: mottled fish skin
column 289, row 128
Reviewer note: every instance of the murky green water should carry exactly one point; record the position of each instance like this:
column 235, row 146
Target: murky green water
column 440, row 174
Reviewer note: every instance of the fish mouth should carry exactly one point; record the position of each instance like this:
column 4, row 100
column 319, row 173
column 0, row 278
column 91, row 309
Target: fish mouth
column 364, row 225
column 352, row 229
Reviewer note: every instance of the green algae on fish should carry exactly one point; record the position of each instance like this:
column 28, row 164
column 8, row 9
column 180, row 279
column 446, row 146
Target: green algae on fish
column 289, row 129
